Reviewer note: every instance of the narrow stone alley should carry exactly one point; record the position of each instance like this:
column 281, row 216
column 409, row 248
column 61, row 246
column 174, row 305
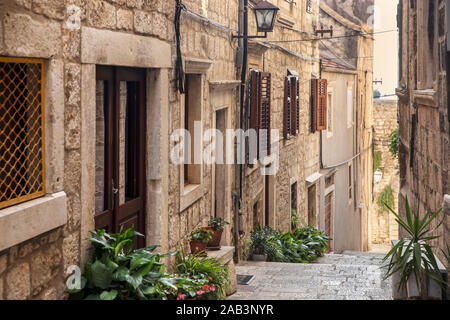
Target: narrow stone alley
column 347, row 276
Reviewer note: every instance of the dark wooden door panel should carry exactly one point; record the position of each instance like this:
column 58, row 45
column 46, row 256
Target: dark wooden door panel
column 124, row 156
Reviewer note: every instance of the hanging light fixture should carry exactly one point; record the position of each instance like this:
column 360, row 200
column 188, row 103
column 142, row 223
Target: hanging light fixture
column 266, row 14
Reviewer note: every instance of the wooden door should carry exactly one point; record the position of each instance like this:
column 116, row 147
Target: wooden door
column 312, row 206
column 120, row 150
column 329, row 218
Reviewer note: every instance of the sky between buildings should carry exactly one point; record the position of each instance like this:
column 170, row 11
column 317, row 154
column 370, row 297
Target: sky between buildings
column 386, row 47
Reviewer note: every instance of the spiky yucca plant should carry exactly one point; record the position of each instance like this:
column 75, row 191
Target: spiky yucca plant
column 415, row 255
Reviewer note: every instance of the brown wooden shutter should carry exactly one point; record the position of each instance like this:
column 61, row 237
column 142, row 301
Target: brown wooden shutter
column 254, row 99
column 318, row 105
column 264, row 104
column 294, row 105
column 314, row 95
column 254, row 112
column 287, row 109
column 322, row 105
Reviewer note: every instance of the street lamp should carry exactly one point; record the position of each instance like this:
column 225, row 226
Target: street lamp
column 265, row 14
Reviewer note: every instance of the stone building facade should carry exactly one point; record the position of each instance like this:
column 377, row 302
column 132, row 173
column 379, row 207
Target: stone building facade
column 349, row 158
column 384, row 228
column 424, row 110
column 128, row 48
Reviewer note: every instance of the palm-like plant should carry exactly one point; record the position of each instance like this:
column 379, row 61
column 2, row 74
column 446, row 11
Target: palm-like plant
column 414, row 256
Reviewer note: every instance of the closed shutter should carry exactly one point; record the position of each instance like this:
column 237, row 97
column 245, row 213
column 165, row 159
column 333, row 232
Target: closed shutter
column 313, row 105
column 291, row 106
column 318, row 105
column 287, row 108
column 322, row 105
column 254, row 113
column 264, row 110
column 254, row 99
column 294, row 104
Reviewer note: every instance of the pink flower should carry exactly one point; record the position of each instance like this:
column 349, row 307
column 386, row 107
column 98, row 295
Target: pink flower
column 199, row 293
column 210, row 279
column 213, row 288
column 206, row 287
column 181, row 297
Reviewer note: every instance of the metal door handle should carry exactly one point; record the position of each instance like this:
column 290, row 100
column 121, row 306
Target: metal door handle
column 113, row 193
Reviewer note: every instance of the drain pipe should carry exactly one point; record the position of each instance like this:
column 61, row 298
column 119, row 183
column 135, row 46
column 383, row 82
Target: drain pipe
column 242, row 59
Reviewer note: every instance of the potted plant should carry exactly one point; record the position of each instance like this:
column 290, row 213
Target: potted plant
column 412, row 263
column 199, row 239
column 259, row 244
column 217, row 226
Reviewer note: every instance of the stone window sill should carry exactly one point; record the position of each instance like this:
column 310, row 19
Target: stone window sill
column 191, row 194
column 30, row 219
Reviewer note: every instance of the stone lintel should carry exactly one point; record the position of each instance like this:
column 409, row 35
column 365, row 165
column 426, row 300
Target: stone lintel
column 123, row 49
column 224, row 84
column 196, row 66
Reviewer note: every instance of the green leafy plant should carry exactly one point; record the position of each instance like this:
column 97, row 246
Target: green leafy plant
column 120, row 273
column 393, row 143
column 414, row 256
column 295, row 220
column 386, row 199
column 258, row 240
column 212, row 269
column 314, row 239
column 217, row 223
column 377, row 160
column 201, row 235
column 303, row 246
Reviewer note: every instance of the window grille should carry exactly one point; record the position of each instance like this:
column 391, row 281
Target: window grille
column 22, row 168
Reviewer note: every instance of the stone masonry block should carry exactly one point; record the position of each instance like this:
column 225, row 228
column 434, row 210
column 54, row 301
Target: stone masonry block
column 25, row 36
column 45, row 265
column 124, row 19
column 18, row 282
column 50, row 8
column 101, row 14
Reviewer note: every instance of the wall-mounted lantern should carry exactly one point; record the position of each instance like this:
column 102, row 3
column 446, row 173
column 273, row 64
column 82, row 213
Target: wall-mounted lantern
column 266, row 14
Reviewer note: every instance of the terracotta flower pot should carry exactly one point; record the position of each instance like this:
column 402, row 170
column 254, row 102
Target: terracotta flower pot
column 198, row 247
column 216, row 238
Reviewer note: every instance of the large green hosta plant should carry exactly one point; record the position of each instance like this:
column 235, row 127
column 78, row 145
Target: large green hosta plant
column 413, row 257
column 120, row 273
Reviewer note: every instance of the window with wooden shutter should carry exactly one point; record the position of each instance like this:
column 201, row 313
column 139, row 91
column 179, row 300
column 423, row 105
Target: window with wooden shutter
column 318, row 105
column 260, row 118
column 265, row 82
column 291, row 106
column 287, row 108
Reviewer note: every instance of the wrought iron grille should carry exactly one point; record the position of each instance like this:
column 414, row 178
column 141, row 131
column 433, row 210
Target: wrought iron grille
column 22, row 167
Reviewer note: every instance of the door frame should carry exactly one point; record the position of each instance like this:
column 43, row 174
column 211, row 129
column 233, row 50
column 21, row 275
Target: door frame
column 115, row 213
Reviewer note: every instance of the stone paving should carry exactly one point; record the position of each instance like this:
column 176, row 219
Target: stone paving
column 347, row 276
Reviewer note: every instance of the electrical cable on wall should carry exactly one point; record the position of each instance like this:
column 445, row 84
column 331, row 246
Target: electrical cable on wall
column 179, row 64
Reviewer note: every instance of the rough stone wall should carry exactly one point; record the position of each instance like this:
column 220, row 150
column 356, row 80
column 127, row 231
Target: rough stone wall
column 384, row 228
column 36, row 268
column 201, row 41
column 426, row 180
